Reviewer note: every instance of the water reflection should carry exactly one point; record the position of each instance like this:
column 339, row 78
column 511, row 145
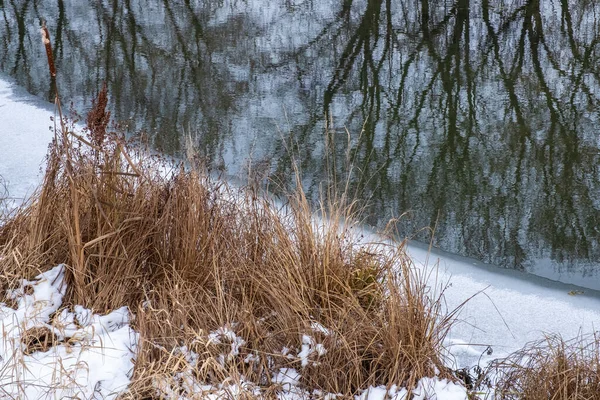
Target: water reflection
column 479, row 118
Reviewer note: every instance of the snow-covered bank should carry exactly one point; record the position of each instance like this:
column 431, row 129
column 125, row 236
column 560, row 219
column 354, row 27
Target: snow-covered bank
column 24, row 137
column 507, row 311
column 51, row 352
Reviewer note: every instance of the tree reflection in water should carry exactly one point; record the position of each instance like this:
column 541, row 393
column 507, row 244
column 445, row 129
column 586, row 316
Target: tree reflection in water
column 478, row 117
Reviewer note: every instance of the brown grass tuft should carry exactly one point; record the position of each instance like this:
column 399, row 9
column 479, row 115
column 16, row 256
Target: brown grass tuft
column 190, row 255
column 38, row 339
column 551, row 369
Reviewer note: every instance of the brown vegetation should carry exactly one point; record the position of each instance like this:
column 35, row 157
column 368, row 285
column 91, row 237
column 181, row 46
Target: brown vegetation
column 189, row 255
column 551, row 369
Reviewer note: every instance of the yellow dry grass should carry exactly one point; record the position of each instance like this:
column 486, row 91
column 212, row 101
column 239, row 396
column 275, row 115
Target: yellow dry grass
column 551, row 369
column 189, row 255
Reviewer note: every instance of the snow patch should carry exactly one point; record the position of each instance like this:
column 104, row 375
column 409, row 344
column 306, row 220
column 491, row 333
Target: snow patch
column 45, row 357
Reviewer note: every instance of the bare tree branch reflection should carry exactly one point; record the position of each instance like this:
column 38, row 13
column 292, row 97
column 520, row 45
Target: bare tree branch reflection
column 478, row 117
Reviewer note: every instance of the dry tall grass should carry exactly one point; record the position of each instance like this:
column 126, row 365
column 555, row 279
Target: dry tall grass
column 551, row 369
column 190, row 255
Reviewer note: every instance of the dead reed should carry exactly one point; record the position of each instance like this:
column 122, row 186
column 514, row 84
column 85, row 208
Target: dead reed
column 551, row 369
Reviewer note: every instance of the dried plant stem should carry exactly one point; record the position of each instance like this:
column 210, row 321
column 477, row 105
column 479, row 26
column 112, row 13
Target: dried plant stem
column 48, row 46
column 66, row 149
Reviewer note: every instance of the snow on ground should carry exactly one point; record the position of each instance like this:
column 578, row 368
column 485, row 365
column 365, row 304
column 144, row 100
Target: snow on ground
column 24, row 137
column 508, row 309
column 49, row 352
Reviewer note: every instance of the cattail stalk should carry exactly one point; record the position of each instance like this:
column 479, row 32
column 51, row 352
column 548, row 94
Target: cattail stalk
column 52, row 68
column 76, row 247
column 48, row 46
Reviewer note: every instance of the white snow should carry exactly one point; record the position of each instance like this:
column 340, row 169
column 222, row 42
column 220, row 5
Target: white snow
column 287, row 378
column 310, row 347
column 24, row 137
column 94, row 354
column 227, row 335
column 93, row 360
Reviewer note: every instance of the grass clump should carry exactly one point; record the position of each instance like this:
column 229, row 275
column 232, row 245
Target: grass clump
column 224, row 284
column 551, row 369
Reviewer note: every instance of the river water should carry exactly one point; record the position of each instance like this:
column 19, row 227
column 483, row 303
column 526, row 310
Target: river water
column 479, row 119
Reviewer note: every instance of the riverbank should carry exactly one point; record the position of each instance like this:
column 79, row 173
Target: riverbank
column 231, row 296
column 222, row 283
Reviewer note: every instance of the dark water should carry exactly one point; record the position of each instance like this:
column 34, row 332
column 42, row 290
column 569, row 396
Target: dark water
column 479, row 118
